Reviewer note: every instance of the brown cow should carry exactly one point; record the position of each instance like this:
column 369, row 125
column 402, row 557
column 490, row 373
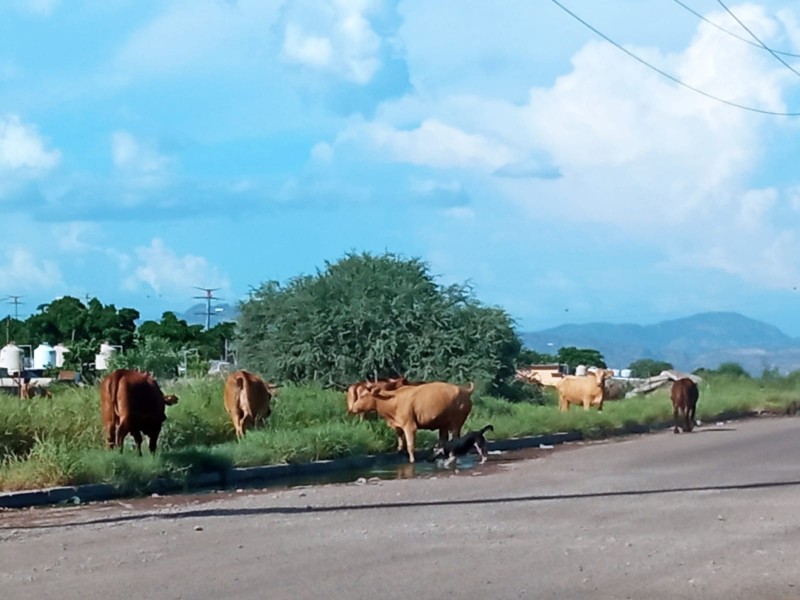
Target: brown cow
column 247, row 400
column 384, row 385
column 437, row 406
column 684, row 396
column 132, row 402
column 588, row 390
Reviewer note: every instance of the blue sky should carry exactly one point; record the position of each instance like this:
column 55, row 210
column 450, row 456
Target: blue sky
column 149, row 147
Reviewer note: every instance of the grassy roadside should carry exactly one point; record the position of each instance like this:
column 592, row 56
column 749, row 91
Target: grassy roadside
column 48, row 442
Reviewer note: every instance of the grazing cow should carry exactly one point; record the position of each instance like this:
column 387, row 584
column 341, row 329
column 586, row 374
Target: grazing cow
column 437, row 406
column 684, row 396
column 247, row 400
column 384, row 385
column 132, row 402
column 588, row 390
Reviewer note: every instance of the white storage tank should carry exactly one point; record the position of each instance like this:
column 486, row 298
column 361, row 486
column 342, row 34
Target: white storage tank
column 107, row 351
column 44, row 356
column 580, row 370
column 60, row 350
column 11, row 358
column 626, row 373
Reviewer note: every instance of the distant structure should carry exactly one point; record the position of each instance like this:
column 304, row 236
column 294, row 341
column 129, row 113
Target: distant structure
column 208, row 297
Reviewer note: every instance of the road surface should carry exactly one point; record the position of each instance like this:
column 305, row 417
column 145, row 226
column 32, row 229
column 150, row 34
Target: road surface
column 714, row 514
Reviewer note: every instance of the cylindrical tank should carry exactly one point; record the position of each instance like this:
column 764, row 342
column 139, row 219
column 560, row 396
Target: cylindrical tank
column 101, row 360
column 580, row 370
column 61, row 350
column 44, row 355
column 615, row 372
column 11, row 358
column 625, row 373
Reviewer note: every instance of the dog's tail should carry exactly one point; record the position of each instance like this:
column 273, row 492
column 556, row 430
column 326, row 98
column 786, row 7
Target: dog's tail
column 487, row 428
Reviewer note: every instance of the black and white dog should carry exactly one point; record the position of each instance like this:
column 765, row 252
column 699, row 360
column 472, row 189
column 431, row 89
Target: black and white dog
column 461, row 446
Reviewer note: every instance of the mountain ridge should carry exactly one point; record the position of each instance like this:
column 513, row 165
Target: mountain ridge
column 700, row 340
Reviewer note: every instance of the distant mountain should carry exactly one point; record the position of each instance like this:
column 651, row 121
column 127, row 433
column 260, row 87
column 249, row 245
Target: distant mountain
column 220, row 313
column 702, row 340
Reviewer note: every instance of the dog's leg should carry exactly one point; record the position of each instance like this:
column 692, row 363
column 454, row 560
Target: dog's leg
column 449, row 461
column 481, row 453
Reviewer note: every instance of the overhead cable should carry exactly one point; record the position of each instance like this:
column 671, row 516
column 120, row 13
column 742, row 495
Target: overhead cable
column 735, row 35
column 756, row 38
column 667, row 75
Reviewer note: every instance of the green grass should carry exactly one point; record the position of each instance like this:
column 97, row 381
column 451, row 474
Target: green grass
column 58, row 441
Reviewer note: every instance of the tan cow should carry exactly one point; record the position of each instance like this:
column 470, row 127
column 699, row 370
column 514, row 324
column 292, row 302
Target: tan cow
column 384, row 385
column 436, row 405
column 588, row 390
column 132, row 402
column 247, row 400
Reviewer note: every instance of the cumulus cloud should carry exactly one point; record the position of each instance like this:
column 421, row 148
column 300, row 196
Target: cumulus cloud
column 22, row 148
column 136, row 157
column 333, row 36
column 25, row 273
column 434, row 144
column 198, row 34
column 162, row 270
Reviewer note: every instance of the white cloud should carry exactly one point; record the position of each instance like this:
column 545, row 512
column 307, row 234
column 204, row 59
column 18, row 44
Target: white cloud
column 334, row 36
column 24, row 273
column 135, row 157
column 199, row 34
column 434, row 144
column 159, row 268
column 22, row 148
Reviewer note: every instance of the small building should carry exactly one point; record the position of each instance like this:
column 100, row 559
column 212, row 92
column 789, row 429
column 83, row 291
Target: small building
column 549, row 374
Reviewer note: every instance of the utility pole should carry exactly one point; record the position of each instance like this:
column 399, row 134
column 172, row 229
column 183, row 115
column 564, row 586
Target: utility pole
column 208, row 297
column 15, row 301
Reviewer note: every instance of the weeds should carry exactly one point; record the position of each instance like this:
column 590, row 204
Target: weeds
column 58, row 441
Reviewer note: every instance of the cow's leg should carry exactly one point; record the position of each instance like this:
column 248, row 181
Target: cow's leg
column 687, row 413
column 443, row 433
column 401, row 440
column 137, row 437
column 692, row 419
column 410, row 434
column 123, row 428
column 111, row 435
column 675, row 412
column 152, row 441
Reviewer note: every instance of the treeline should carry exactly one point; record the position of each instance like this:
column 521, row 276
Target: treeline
column 158, row 346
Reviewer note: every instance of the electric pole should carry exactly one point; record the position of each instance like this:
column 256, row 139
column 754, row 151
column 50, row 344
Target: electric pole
column 16, row 302
column 208, row 297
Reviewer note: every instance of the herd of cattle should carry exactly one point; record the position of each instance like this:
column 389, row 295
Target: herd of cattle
column 131, row 402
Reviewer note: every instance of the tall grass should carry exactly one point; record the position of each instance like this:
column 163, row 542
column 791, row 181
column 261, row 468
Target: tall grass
column 58, row 441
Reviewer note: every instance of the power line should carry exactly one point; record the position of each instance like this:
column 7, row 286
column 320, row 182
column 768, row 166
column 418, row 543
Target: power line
column 208, row 297
column 755, row 37
column 730, row 33
column 667, row 75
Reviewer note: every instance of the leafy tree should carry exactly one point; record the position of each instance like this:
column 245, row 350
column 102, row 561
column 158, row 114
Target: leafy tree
column 152, row 354
column 177, row 332
column 374, row 316
column 528, row 357
column 647, row 367
column 732, row 369
column 573, row 357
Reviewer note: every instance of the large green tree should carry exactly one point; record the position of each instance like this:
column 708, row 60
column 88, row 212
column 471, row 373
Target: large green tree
column 647, row 367
column 572, row 356
column 374, row 316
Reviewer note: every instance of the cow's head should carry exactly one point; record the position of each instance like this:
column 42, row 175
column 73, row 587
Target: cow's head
column 364, row 399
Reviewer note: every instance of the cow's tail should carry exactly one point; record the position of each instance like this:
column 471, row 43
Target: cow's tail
column 241, row 385
column 487, row 428
column 112, row 390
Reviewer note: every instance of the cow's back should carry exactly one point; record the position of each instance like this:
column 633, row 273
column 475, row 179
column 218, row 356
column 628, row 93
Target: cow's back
column 140, row 401
column 247, row 393
column 684, row 393
column 436, row 404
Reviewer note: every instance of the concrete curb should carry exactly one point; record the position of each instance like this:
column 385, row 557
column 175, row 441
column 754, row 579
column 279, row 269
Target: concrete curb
column 95, row 492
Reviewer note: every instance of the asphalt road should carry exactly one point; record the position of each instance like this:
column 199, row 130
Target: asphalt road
column 711, row 514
